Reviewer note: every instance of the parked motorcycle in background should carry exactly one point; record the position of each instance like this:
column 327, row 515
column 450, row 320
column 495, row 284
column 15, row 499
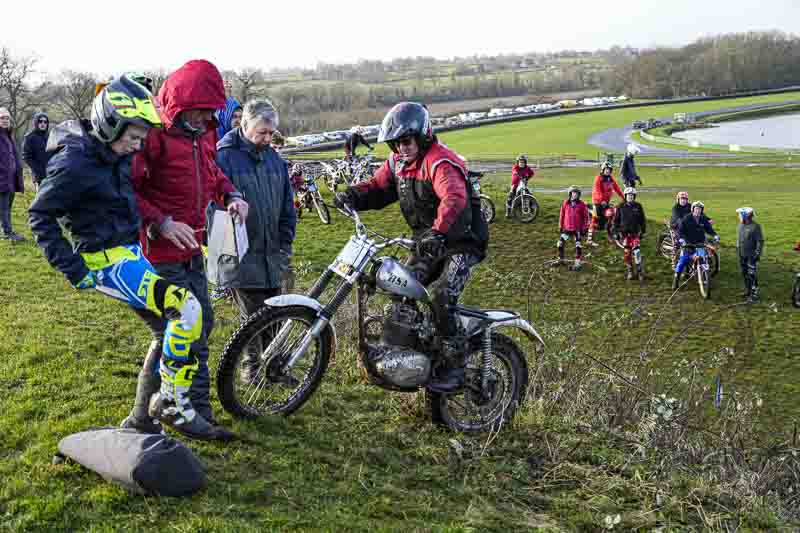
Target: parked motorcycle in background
column 487, row 205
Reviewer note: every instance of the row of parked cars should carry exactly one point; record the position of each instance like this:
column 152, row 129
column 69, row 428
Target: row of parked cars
column 464, row 118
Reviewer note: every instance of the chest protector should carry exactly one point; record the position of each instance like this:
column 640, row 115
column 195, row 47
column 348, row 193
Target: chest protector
column 418, row 201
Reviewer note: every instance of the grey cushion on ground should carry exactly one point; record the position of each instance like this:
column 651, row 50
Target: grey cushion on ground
column 142, row 463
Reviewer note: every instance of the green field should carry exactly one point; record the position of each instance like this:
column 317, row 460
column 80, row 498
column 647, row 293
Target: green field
column 568, row 134
column 585, row 448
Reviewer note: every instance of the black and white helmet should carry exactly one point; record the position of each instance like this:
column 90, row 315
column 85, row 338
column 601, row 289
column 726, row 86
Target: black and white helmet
column 629, row 190
column 699, row 204
column 572, row 189
column 406, row 119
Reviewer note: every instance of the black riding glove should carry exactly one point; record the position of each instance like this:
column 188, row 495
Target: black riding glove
column 342, row 199
column 433, row 243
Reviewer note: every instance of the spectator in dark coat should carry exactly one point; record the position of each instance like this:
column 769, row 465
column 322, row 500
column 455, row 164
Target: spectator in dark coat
column 10, row 176
column 262, row 176
column 34, row 146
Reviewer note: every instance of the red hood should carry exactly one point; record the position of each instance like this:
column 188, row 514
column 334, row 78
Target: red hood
column 196, row 85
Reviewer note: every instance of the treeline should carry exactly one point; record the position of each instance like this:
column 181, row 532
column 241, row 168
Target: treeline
column 711, row 66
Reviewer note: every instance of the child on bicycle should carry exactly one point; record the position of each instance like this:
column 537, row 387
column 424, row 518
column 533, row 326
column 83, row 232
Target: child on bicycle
column 692, row 231
column 604, row 188
column 629, row 227
column 572, row 222
column 519, row 172
column 749, row 245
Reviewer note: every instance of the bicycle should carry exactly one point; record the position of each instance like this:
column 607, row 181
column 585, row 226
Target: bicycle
column 335, row 172
column 699, row 266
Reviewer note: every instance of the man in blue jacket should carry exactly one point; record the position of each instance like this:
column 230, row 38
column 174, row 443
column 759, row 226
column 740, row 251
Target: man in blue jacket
column 260, row 174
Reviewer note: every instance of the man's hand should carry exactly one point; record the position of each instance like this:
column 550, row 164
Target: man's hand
column 180, row 234
column 89, row 281
column 238, row 209
column 433, row 243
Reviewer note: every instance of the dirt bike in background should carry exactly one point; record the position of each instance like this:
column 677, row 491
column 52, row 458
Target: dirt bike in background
column 667, row 241
column 487, row 206
column 334, row 173
column 295, row 338
column 309, row 198
column 362, row 168
column 524, row 206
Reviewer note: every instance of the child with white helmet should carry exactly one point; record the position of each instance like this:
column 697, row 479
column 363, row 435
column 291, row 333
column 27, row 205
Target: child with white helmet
column 573, row 221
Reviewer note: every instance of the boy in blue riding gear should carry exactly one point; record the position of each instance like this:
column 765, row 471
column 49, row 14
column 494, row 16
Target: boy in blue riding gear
column 692, row 229
column 749, row 245
column 88, row 188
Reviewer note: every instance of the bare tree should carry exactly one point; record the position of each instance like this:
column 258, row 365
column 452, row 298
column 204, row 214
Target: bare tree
column 245, row 80
column 158, row 76
column 75, row 92
column 15, row 90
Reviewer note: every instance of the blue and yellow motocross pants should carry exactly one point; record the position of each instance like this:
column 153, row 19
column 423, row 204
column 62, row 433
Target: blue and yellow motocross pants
column 126, row 275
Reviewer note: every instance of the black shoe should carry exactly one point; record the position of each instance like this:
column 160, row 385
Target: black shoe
column 447, row 381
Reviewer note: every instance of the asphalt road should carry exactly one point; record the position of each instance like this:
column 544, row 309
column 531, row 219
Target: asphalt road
column 617, row 139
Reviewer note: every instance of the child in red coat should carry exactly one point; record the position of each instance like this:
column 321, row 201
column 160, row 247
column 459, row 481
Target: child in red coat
column 573, row 222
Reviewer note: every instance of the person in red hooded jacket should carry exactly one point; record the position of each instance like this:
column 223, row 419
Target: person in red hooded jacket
column 519, row 172
column 604, row 188
column 175, row 178
column 572, row 222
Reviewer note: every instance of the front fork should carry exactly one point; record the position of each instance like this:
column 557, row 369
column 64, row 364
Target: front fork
column 323, row 319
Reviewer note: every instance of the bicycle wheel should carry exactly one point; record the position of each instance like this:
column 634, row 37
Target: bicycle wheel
column 322, row 209
column 525, row 208
column 331, row 182
column 487, row 209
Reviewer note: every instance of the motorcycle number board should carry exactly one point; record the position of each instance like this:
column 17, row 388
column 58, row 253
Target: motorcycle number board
column 349, row 258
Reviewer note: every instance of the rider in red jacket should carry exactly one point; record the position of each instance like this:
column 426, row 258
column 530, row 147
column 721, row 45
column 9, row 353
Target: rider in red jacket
column 573, row 221
column 519, row 172
column 604, row 188
column 175, row 178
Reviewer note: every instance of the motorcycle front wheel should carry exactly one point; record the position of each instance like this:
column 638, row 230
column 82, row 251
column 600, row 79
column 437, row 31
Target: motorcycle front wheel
column 251, row 380
column 525, row 208
column 331, row 182
column 470, row 411
column 322, row 209
column 704, row 280
column 487, row 209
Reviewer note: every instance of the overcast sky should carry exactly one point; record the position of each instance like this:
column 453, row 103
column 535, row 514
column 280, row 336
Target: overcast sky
column 108, row 37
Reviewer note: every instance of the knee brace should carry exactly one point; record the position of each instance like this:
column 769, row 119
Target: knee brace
column 185, row 321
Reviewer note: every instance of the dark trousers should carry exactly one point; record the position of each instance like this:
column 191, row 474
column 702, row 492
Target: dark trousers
column 249, row 301
column 190, row 275
column 6, row 202
column 749, row 267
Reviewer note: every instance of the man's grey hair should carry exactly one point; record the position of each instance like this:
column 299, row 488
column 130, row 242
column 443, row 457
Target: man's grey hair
column 259, row 110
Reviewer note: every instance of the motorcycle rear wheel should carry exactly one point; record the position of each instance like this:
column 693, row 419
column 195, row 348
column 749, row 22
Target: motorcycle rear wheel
column 510, row 375
column 322, row 209
column 665, row 245
column 261, row 394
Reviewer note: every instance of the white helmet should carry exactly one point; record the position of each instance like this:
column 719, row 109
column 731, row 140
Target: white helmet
column 699, row 204
column 632, row 149
column 745, row 212
column 629, row 190
column 356, row 129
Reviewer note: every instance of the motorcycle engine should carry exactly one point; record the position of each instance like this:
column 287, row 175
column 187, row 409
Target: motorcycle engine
column 395, row 360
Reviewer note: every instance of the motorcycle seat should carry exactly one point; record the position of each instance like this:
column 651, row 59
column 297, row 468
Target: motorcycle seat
column 487, row 315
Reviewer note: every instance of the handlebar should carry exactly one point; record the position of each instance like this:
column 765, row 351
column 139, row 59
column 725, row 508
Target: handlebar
column 361, row 230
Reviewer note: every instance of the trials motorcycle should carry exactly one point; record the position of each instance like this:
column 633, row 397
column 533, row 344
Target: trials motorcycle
column 290, row 340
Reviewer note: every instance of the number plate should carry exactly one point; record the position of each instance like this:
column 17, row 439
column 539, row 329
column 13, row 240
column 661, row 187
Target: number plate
column 350, row 258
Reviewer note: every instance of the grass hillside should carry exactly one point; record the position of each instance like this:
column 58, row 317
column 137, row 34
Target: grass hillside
column 589, row 451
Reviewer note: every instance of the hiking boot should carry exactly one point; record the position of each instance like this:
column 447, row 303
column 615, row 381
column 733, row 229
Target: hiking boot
column 508, row 212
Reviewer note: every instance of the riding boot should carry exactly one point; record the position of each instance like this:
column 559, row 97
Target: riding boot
column 172, row 404
column 676, row 281
column 147, row 385
column 628, row 272
column 450, row 374
column 508, row 210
